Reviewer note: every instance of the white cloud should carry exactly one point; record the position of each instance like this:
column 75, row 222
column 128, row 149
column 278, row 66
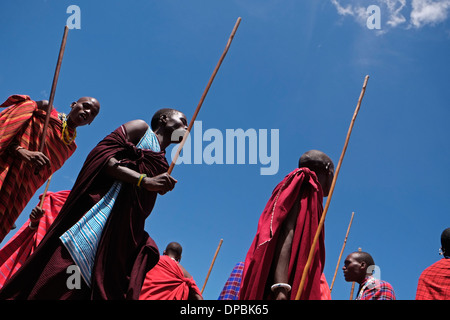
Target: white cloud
column 348, row 10
column 429, row 12
column 394, row 9
column 355, row 10
column 422, row 11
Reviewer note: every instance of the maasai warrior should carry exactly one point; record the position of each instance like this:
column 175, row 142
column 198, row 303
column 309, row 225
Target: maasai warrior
column 19, row 248
column 168, row 280
column 275, row 261
column 434, row 282
column 101, row 226
column 23, row 169
column 359, row 267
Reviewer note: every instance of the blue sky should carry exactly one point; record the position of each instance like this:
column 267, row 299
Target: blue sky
column 294, row 66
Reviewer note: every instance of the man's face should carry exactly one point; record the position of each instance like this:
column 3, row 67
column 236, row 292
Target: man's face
column 353, row 270
column 177, row 124
column 328, row 182
column 84, row 111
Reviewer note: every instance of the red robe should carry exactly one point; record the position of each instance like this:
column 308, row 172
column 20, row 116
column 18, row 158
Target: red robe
column 434, row 282
column 125, row 252
column 20, row 247
column 259, row 258
column 166, row 281
column 22, row 124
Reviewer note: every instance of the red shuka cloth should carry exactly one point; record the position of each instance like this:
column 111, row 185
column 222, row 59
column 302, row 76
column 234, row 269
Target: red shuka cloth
column 434, row 282
column 261, row 253
column 22, row 123
column 17, row 250
column 166, row 281
column 125, row 252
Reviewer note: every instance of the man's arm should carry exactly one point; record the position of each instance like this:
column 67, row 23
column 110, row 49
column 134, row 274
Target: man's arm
column 193, row 294
column 283, row 252
column 161, row 183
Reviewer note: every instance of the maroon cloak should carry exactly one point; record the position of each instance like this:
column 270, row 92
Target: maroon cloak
column 259, row 258
column 125, row 252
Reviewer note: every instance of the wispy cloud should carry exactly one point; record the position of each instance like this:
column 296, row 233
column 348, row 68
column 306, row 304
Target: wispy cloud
column 429, row 12
column 395, row 17
column 394, row 13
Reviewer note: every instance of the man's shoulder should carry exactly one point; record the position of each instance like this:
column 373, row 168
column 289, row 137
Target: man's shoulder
column 135, row 129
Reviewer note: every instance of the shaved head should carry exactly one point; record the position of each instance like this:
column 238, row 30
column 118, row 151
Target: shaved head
column 363, row 257
column 174, row 250
column 322, row 165
column 315, row 160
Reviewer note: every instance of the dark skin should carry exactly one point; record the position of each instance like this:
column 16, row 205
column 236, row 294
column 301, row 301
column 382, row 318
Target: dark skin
column 83, row 112
column 280, row 265
column 176, row 255
column 354, row 270
column 135, row 131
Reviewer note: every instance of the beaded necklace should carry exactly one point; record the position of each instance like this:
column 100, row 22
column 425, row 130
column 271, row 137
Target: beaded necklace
column 65, row 136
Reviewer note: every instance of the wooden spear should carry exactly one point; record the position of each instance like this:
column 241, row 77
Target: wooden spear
column 212, row 264
column 41, row 203
column 50, row 104
column 342, row 251
column 52, row 92
column 322, row 219
column 175, row 158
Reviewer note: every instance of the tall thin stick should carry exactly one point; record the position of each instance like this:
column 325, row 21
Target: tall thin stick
column 342, row 251
column 322, row 219
column 175, row 158
column 52, row 92
column 50, row 104
column 45, row 192
column 212, row 264
column 353, row 283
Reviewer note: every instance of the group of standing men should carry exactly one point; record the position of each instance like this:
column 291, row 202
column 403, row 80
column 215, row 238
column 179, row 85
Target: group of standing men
column 99, row 224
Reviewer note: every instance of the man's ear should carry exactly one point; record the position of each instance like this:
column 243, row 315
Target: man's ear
column 163, row 119
column 364, row 265
column 73, row 104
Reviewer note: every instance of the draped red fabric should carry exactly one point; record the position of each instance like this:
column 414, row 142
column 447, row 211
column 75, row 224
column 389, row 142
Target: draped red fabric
column 22, row 124
column 19, row 248
column 166, row 281
column 434, row 282
column 324, row 288
column 259, row 257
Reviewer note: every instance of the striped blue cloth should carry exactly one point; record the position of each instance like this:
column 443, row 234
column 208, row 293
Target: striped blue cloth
column 82, row 239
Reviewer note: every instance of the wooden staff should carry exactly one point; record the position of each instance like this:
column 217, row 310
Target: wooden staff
column 212, row 264
column 41, row 203
column 322, row 219
column 342, row 251
column 204, row 96
column 52, row 92
column 353, row 283
column 50, row 105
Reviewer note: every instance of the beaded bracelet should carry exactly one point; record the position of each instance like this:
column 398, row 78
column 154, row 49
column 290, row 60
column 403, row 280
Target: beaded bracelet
column 141, row 177
column 282, row 285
